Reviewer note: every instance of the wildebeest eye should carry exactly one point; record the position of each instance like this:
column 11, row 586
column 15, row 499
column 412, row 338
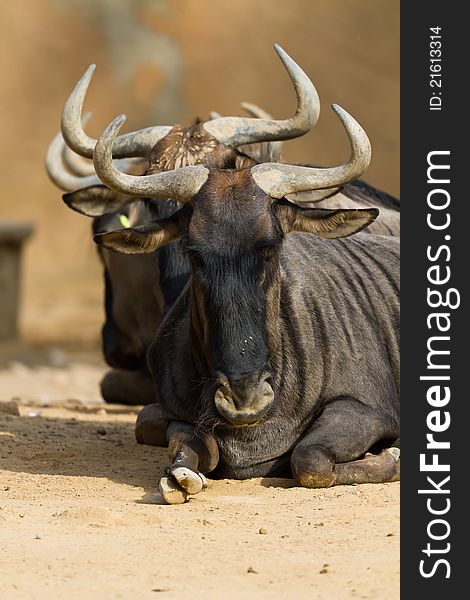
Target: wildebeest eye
column 124, row 220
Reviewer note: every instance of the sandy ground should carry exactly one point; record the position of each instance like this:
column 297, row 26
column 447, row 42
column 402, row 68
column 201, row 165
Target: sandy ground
column 81, row 516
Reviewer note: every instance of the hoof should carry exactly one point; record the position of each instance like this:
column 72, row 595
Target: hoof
column 205, row 483
column 315, row 480
column 189, row 480
column 151, row 426
column 383, row 467
column 394, row 452
column 171, row 492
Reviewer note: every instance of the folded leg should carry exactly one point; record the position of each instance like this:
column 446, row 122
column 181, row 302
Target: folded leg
column 333, row 452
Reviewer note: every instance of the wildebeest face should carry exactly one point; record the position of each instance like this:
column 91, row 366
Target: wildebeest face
column 232, row 232
column 233, row 241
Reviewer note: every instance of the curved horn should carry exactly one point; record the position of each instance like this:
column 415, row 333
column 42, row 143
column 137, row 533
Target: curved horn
column 273, row 149
column 57, row 172
column 252, row 109
column 78, row 165
column 277, row 179
column 180, row 185
column 236, row 131
column 255, row 111
column 82, row 166
column 263, row 151
column 136, row 143
column 74, row 162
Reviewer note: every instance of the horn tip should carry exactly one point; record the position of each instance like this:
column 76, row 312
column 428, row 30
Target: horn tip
column 120, row 119
column 85, row 79
column 280, row 50
column 282, row 54
column 89, row 72
column 339, row 110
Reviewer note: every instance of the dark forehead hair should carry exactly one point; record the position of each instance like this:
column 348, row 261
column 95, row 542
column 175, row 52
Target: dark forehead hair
column 231, row 216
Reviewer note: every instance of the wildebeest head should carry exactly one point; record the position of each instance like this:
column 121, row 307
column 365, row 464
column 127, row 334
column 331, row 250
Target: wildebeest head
column 232, row 225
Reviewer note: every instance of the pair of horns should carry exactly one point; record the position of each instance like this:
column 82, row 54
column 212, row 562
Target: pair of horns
column 230, row 131
column 70, row 171
column 275, row 179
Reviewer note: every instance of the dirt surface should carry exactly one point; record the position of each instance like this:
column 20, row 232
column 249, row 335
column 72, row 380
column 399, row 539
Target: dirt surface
column 81, row 516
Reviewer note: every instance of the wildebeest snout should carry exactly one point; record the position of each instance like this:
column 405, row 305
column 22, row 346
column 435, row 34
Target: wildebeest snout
column 244, row 400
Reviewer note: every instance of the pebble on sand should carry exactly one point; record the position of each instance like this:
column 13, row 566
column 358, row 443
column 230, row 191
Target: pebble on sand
column 251, row 570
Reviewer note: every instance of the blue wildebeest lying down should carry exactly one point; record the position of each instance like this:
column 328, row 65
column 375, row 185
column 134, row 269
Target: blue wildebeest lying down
column 140, row 289
column 281, row 355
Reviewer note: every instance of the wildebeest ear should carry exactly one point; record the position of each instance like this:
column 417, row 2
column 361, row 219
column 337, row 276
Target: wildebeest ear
column 96, row 200
column 145, row 238
column 323, row 222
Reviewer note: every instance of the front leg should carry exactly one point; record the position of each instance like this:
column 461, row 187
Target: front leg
column 343, row 433
column 123, row 386
column 192, row 454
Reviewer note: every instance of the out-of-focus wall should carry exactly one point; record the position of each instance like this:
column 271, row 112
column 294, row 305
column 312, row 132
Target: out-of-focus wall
column 163, row 61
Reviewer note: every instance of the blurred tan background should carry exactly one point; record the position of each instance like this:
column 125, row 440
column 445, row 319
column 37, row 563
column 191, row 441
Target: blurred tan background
column 161, row 62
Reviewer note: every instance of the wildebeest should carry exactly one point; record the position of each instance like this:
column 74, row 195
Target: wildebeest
column 130, row 318
column 139, row 290
column 280, row 357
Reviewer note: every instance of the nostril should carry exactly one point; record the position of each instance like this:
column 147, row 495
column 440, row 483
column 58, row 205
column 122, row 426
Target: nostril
column 222, row 380
column 265, row 382
column 225, row 401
